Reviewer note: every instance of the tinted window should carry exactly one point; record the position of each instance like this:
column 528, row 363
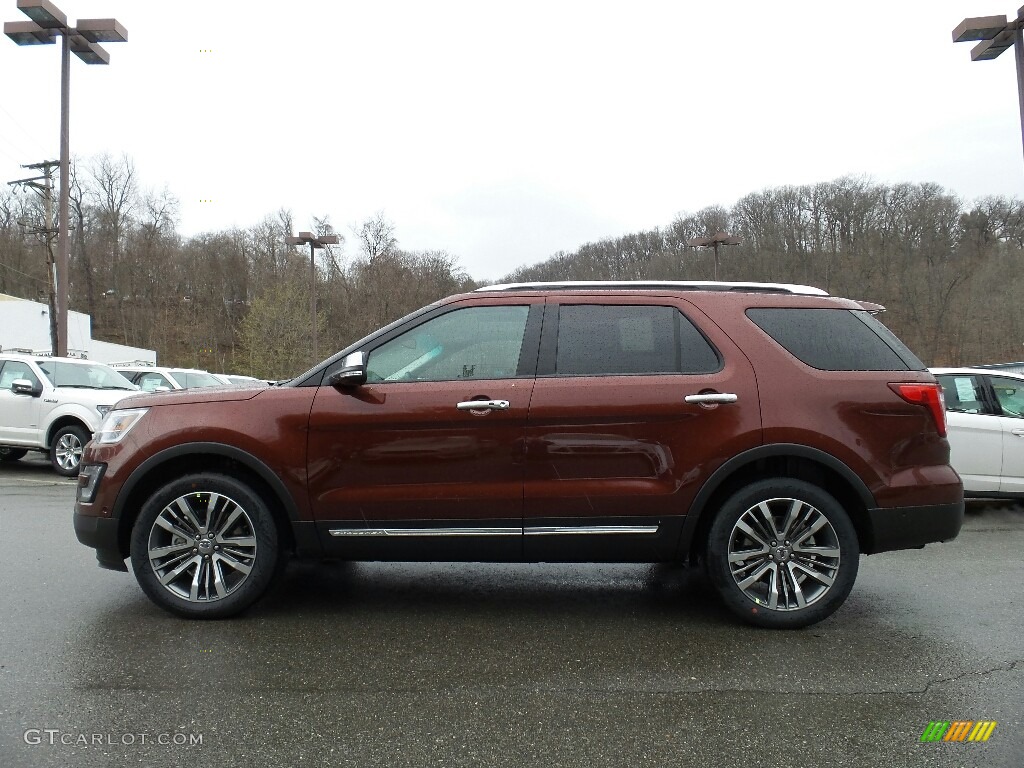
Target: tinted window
column 596, row 340
column 835, row 339
column 470, row 343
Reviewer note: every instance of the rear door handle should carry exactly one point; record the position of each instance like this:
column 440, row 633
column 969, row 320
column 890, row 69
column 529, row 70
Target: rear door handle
column 711, row 398
column 484, row 405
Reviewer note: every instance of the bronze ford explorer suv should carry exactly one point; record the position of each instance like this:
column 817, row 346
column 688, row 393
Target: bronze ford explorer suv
column 771, row 432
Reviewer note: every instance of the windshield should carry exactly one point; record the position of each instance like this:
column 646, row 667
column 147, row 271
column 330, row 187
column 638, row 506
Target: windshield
column 83, row 375
column 189, row 379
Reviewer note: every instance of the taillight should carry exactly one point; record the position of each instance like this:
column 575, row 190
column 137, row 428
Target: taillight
column 928, row 395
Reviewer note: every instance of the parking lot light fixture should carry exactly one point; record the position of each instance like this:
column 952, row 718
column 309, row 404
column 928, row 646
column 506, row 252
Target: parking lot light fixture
column 996, row 34
column 47, row 22
column 713, row 241
column 315, row 242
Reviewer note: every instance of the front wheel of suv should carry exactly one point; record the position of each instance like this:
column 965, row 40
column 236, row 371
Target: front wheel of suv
column 205, row 546
column 782, row 553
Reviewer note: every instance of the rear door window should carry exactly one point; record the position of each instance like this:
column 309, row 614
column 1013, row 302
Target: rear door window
column 603, row 340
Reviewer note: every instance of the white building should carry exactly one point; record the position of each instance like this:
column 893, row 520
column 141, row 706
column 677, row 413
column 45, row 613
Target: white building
column 25, row 327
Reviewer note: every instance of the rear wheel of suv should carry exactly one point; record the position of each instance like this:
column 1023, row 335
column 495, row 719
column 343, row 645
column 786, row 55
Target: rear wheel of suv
column 783, row 553
column 12, row 454
column 205, row 546
column 66, row 451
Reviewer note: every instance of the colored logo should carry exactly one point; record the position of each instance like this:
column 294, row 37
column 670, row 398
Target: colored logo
column 959, row 730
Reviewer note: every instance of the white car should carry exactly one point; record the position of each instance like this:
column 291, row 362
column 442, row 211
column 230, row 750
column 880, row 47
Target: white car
column 985, row 415
column 152, row 378
column 234, row 380
column 54, row 404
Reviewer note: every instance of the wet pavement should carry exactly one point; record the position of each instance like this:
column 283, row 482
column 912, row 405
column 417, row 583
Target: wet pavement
column 503, row 665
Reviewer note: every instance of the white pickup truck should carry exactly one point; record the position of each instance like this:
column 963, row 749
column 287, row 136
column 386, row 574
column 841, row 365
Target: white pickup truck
column 54, row 405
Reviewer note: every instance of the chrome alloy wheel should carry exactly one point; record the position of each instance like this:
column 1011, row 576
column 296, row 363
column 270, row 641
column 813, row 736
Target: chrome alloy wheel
column 783, row 554
column 68, row 451
column 202, row 546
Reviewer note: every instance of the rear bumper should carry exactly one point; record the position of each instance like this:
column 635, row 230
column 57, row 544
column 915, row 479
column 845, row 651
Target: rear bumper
column 913, row 527
column 101, row 533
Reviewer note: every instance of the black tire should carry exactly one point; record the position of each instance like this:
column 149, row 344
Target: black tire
column 817, row 570
column 66, row 450
column 218, row 543
column 12, row 454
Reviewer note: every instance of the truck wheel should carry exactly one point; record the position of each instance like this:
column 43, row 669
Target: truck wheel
column 66, row 451
column 783, row 553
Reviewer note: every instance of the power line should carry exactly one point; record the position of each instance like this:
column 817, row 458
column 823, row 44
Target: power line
column 23, row 274
column 31, row 137
column 8, row 156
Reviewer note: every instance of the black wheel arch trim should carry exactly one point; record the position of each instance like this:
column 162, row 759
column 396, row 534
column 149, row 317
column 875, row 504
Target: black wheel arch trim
column 61, row 422
column 244, row 458
column 721, row 475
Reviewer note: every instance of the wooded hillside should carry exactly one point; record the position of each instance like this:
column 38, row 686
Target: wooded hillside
column 947, row 271
column 238, row 300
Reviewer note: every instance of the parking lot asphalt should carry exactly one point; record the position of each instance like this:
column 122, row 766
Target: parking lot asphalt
column 374, row 664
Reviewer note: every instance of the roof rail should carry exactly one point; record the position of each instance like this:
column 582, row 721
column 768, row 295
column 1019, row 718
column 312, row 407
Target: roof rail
column 645, row 285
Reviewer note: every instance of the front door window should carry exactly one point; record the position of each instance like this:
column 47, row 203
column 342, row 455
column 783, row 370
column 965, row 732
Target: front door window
column 472, row 343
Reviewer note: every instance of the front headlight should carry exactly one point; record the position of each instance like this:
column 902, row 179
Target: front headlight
column 117, row 424
column 103, row 410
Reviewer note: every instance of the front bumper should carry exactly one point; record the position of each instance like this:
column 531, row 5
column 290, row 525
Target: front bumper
column 101, row 534
column 913, row 527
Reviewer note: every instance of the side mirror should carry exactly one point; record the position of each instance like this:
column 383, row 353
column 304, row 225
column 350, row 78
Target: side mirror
column 352, row 373
column 25, row 387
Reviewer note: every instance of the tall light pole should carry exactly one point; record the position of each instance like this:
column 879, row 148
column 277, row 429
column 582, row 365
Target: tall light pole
column 713, row 241
column 996, row 35
column 314, row 243
column 47, row 23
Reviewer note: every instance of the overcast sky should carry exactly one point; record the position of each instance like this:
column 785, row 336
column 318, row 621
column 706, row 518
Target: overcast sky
column 505, row 132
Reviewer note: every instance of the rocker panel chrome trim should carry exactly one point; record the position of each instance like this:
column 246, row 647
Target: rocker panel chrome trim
column 426, row 532
column 553, row 530
column 574, row 530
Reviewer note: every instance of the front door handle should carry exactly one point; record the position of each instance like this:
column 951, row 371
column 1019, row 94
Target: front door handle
column 484, row 405
column 1018, row 432
column 711, row 398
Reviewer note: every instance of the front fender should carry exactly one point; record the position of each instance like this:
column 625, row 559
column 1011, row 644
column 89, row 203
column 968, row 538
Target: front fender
column 63, row 414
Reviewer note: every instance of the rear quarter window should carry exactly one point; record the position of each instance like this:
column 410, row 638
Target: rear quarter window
column 835, row 339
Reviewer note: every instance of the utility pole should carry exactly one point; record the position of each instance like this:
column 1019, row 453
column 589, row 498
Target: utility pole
column 47, row 232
